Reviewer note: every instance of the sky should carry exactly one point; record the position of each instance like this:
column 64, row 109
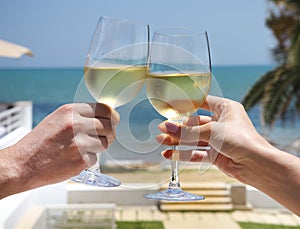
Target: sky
column 59, row 31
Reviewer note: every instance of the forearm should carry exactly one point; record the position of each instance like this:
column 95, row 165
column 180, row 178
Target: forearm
column 9, row 173
column 16, row 174
column 277, row 174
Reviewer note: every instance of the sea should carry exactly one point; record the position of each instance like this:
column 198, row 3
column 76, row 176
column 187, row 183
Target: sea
column 49, row 88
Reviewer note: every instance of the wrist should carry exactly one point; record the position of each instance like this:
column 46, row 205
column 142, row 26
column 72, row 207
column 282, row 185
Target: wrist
column 10, row 172
column 278, row 176
column 259, row 160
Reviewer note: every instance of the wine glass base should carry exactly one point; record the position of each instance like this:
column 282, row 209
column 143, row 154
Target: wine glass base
column 96, row 179
column 174, row 194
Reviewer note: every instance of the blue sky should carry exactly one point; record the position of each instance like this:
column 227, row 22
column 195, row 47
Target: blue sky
column 59, row 31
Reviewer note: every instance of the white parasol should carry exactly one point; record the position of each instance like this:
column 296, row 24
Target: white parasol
column 11, row 50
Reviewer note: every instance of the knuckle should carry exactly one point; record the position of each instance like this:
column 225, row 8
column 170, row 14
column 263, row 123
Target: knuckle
column 207, row 131
column 190, row 133
column 67, row 108
column 99, row 126
column 110, row 138
column 104, row 144
column 229, row 104
column 80, row 144
column 101, row 146
column 76, row 125
column 68, row 118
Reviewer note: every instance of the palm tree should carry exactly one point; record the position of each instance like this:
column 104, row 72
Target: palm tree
column 278, row 91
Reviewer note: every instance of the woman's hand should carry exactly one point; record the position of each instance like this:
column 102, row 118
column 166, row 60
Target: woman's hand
column 229, row 133
column 237, row 149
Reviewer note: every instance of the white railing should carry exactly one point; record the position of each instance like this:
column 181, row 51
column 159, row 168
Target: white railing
column 15, row 122
column 11, row 119
column 69, row 216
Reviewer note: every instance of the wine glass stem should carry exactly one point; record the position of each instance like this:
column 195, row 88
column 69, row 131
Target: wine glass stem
column 96, row 166
column 174, row 182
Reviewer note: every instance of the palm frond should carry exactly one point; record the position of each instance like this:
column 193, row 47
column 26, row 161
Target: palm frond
column 294, row 54
column 297, row 92
column 256, row 92
column 278, row 91
column 280, row 96
column 297, row 103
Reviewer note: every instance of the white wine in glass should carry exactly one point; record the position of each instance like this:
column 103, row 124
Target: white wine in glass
column 106, row 83
column 177, row 95
column 114, row 74
column 178, row 81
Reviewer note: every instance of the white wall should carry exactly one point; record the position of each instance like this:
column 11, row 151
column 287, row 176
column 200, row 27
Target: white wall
column 13, row 207
column 260, row 200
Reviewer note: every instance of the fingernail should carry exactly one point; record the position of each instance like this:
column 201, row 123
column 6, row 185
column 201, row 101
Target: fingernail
column 167, row 154
column 172, row 127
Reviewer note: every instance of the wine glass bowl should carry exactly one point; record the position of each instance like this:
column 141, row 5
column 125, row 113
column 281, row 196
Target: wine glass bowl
column 178, row 81
column 114, row 73
column 115, row 85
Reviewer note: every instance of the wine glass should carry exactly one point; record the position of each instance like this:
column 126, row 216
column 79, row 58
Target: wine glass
column 114, row 73
column 178, row 81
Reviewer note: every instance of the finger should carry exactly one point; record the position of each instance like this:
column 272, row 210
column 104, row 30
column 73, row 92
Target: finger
column 211, row 102
column 105, row 111
column 218, row 106
column 200, row 144
column 100, row 126
column 98, row 110
column 197, row 120
column 215, row 105
column 91, row 144
column 108, row 138
column 105, row 132
column 166, row 139
column 104, row 142
column 187, row 133
column 187, row 155
column 196, row 134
